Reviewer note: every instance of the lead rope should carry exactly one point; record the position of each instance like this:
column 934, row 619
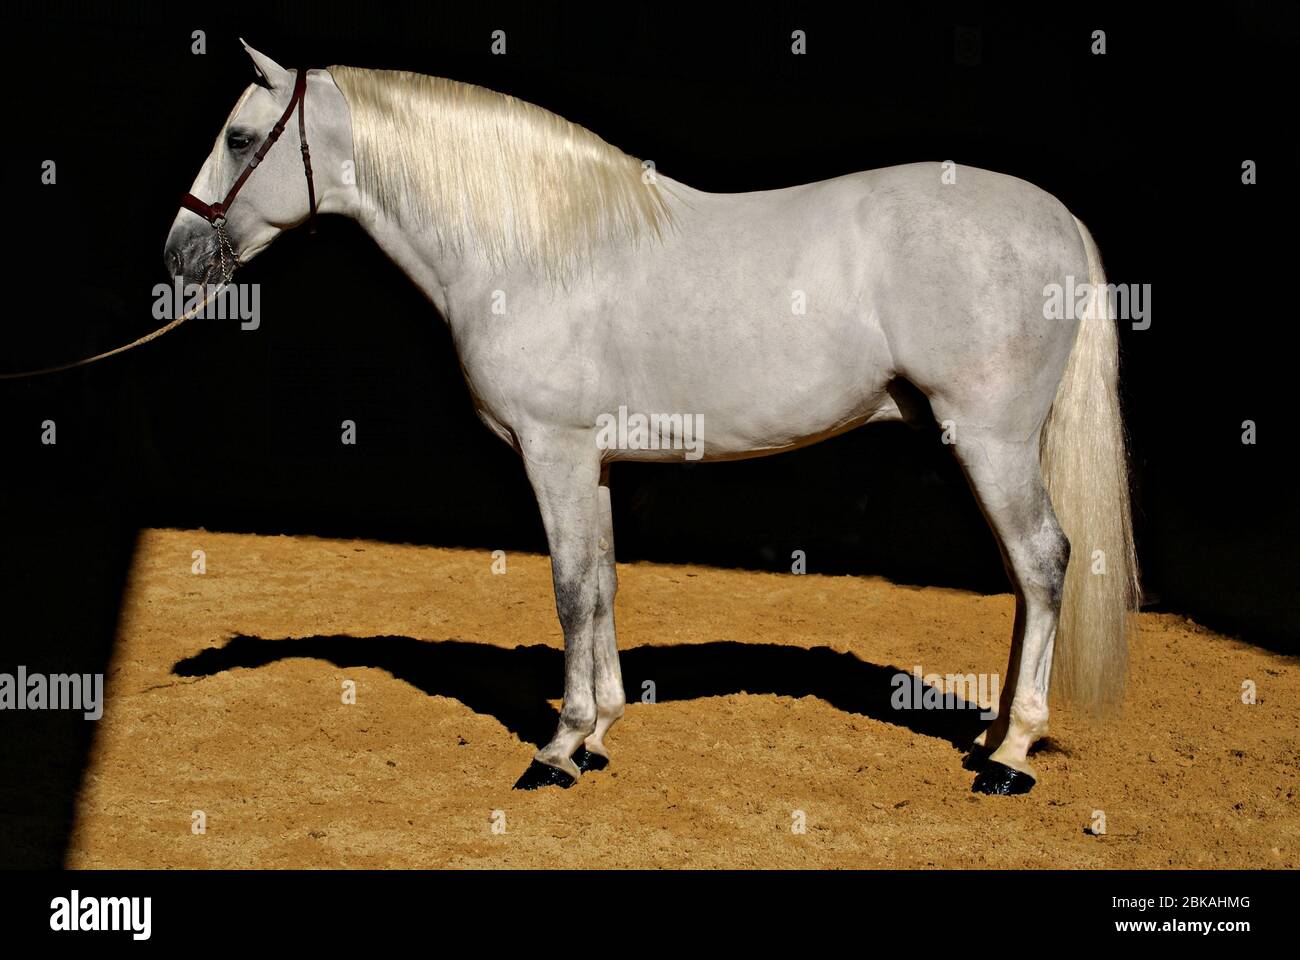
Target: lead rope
column 187, row 315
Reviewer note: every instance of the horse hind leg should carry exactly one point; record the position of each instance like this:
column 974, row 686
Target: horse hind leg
column 1007, row 481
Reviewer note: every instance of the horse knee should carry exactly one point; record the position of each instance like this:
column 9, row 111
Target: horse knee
column 576, row 599
column 1029, row 715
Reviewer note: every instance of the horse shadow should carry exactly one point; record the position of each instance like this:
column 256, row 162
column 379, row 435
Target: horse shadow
column 514, row 685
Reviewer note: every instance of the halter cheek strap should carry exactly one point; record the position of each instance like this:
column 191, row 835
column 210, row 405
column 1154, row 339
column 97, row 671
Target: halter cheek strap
column 215, row 213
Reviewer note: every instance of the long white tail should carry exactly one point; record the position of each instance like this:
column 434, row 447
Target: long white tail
column 1085, row 467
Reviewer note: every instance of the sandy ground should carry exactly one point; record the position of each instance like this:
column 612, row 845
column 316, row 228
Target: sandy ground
column 225, row 696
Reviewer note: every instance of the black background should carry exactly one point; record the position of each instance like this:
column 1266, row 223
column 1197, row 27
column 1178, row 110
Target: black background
column 300, row 907
column 234, row 430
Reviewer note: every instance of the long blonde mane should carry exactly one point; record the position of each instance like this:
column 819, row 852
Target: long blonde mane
column 484, row 171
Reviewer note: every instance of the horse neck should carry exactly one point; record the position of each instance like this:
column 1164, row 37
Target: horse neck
column 451, row 276
column 418, row 254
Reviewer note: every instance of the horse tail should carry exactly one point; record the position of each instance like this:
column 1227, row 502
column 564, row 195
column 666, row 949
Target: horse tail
column 1085, row 468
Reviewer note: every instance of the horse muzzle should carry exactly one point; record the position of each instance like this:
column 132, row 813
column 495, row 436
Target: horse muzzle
column 200, row 254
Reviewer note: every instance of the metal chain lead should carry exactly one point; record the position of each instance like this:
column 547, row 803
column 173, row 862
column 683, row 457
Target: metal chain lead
column 226, row 251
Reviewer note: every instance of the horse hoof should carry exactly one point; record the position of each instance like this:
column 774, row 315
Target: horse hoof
column 976, row 758
column 541, row 774
column 588, row 761
column 999, row 780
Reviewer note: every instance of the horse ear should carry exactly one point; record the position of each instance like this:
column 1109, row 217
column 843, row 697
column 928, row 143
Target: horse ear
column 276, row 77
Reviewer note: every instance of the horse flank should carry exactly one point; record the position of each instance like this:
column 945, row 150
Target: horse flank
column 488, row 173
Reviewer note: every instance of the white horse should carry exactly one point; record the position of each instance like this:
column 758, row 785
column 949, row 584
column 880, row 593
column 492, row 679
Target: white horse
column 580, row 286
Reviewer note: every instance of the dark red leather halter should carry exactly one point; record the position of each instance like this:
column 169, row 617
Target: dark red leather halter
column 215, row 213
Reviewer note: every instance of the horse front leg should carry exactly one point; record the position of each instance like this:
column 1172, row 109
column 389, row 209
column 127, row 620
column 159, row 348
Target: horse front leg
column 564, row 469
column 608, row 676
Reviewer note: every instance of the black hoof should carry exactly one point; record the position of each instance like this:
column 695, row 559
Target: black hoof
column 541, row 774
column 976, row 758
column 588, row 761
column 999, row 780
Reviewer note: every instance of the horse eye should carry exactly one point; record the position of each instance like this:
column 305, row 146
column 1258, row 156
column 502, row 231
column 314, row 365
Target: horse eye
column 238, row 141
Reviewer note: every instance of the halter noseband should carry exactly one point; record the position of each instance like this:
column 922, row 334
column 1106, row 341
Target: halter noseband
column 215, row 213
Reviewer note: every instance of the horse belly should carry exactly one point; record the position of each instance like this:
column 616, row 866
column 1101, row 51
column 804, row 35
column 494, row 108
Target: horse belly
column 774, row 359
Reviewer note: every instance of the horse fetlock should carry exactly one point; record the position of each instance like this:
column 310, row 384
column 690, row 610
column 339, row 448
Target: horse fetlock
column 610, row 699
column 1028, row 723
column 578, row 720
column 1029, row 718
